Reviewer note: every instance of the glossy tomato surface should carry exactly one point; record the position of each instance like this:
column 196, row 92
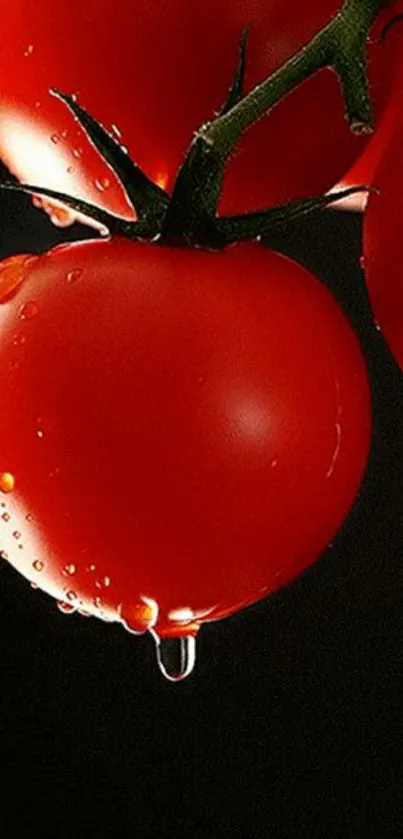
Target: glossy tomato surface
column 155, row 72
column 182, row 431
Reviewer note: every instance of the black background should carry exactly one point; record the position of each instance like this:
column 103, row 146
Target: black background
column 291, row 725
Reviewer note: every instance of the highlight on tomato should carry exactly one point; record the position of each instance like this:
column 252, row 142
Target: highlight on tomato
column 153, row 74
column 182, row 431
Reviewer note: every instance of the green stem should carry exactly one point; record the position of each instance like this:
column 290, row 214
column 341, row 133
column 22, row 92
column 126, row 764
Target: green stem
column 341, row 46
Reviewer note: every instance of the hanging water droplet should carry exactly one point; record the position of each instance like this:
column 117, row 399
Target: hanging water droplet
column 28, row 310
column 72, row 276
column 7, row 482
column 65, row 608
column 69, row 570
column 176, row 657
column 38, row 565
column 6, row 516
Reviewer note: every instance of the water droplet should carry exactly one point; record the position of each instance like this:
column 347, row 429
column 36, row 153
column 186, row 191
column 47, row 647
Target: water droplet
column 70, row 170
column 124, row 149
column 6, row 517
column 91, row 568
column 64, row 133
column 116, row 131
column 19, row 340
column 97, row 602
column 74, row 97
column 29, row 517
column 17, row 534
column 7, row 482
column 40, row 433
column 28, row 310
column 38, row 565
column 69, row 570
column 176, row 657
column 84, row 614
column 33, row 585
column 55, row 139
column 20, row 547
column 71, row 595
column 3, row 555
column 76, row 153
column 75, row 275
column 37, row 104
column 107, row 581
column 29, row 50
column 139, row 617
column 65, row 608
column 99, row 185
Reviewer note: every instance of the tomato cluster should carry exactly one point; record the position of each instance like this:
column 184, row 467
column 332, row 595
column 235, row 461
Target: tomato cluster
column 184, row 424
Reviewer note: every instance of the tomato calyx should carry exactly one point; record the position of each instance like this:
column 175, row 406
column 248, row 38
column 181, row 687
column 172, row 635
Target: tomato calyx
column 189, row 216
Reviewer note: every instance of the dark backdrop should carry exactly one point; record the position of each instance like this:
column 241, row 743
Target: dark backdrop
column 291, row 725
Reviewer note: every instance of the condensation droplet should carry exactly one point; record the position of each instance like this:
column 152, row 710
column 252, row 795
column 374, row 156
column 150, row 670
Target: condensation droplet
column 7, row 482
column 40, row 433
column 29, row 517
column 29, row 50
column 17, row 534
column 116, row 131
column 76, row 153
column 20, row 547
column 97, row 602
column 70, row 170
column 71, row 595
column 6, row 516
column 107, row 581
column 75, row 275
column 176, row 657
column 91, row 568
column 34, row 585
column 28, row 310
column 64, row 133
column 65, row 608
column 69, row 570
column 38, row 565
column 19, row 340
column 99, row 186
column 13, row 271
column 55, row 139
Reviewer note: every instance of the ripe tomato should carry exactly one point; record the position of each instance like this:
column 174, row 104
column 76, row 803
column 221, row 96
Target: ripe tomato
column 156, row 72
column 383, row 232
column 182, row 431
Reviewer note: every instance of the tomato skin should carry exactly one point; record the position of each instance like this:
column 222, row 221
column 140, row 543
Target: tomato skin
column 158, row 91
column 184, row 428
column 383, row 232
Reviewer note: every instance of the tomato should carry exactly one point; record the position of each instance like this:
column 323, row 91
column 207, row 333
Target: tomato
column 383, row 233
column 182, row 431
column 156, row 72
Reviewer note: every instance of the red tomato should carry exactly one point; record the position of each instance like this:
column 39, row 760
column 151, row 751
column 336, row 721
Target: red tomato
column 181, row 431
column 157, row 71
column 383, row 234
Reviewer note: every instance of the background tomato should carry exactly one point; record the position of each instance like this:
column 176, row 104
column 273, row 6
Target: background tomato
column 186, row 430
column 156, row 72
column 383, row 232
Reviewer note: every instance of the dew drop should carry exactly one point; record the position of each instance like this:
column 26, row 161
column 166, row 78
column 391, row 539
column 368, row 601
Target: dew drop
column 69, row 570
column 91, row 568
column 107, row 581
column 29, row 517
column 99, row 186
column 38, row 565
column 17, row 534
column 6, row 517
column 70, row 170
column 28, row 310
column 7, row 482
column 76, row 153
column 20, row 547
column 71, row 595
column 55, row 139
column 176, row 657
column 65, row 608
column 75, row 275
column 3, row 555
column 97, row 602
column 64, row 133
column 40, row 433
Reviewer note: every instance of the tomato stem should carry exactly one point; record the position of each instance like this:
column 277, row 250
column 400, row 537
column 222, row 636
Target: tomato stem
column 340, row 46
